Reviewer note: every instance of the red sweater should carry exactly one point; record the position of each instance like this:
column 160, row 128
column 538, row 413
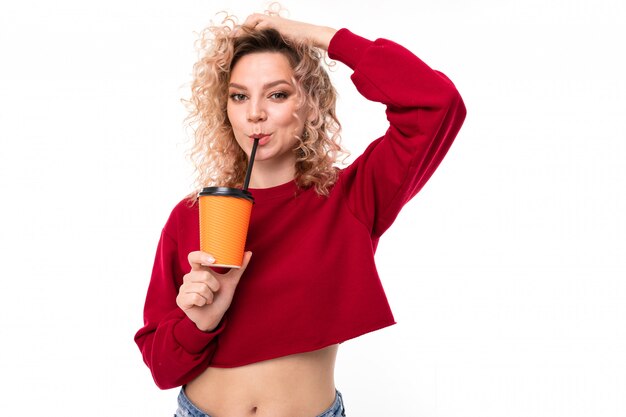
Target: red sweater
column 312, row 281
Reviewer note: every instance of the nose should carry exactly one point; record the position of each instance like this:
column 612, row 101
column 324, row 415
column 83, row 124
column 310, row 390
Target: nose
column 256, row 111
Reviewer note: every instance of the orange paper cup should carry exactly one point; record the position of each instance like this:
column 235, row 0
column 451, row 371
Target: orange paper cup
column 224, row 219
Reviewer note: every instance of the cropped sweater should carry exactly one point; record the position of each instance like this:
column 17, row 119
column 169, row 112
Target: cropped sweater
column 312, row 281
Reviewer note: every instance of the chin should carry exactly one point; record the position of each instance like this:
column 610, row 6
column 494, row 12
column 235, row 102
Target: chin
column 262, row 155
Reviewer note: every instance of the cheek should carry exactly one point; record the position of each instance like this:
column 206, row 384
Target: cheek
column 235, row 125
column 288, row 119
column 236, row 113
column 231, row 115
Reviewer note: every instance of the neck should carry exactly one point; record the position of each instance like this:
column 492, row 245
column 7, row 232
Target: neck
column 267, row 175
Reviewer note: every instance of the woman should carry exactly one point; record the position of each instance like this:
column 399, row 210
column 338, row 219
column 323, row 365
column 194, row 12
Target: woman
column 262, row 340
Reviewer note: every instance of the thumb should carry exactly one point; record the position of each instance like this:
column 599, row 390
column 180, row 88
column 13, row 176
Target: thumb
column 246, row 260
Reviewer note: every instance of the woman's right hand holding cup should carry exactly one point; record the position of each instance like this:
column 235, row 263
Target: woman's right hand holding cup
column 206, row 295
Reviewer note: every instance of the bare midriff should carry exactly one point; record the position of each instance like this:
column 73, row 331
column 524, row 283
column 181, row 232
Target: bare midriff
column 300, row 385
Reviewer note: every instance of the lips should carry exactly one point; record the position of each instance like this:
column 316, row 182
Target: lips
column 263, row 137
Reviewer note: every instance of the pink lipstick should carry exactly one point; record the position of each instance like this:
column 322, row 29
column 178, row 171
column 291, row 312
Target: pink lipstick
column 263, row 137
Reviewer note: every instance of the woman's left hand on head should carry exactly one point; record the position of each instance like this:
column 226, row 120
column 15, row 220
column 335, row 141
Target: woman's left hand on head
column 320, row 36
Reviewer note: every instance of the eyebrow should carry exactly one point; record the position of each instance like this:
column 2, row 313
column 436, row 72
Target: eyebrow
column 265, row 86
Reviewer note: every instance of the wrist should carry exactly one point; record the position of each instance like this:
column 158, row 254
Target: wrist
column 209, row 326
column 323, row 37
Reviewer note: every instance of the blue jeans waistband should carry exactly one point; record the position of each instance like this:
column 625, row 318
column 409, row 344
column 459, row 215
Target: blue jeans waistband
column 187, row 409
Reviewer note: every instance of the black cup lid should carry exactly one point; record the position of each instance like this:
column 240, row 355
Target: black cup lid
column 226, row 192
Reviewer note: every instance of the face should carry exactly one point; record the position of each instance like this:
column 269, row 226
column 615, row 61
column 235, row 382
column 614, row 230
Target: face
column 262, row 103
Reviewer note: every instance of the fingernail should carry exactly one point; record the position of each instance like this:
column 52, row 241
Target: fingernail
column 209, row 259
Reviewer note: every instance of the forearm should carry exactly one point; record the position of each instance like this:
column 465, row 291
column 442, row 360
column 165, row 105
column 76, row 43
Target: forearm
column 321, row 36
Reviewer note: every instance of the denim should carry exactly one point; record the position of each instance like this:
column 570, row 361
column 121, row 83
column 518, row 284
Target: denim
column 187, row 409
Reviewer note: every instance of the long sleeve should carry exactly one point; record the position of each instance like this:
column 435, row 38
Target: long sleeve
column 174, row 349
column 425, row 113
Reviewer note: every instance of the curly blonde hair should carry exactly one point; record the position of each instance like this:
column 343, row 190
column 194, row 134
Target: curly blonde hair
column 216, row 156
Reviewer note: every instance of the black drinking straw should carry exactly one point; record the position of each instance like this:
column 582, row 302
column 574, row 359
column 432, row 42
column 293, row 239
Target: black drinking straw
column 247, row 181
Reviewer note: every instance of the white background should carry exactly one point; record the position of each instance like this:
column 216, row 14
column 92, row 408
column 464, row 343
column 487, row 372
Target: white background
column 506, row 273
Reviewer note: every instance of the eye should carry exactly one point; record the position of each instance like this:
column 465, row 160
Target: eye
column 279, row 95
column 237, row 97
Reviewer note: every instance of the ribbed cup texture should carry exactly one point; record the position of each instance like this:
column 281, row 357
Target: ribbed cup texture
column 223, row 228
